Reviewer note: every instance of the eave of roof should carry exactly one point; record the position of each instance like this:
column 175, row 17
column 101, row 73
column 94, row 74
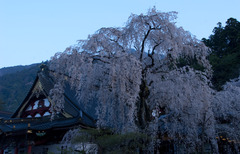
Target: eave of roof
column 39, row 124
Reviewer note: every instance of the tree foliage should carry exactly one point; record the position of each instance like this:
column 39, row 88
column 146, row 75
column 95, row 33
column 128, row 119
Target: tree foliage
column 148, row 76
column 225, row 52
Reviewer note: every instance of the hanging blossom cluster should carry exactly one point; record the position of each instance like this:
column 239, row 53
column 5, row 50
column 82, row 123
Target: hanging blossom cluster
column 58, row 99
column 226, row 105
column 111, row 83
column 132, row 79
column 182, row 99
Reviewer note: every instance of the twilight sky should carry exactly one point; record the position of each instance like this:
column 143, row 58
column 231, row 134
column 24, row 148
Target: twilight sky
column 33, row 31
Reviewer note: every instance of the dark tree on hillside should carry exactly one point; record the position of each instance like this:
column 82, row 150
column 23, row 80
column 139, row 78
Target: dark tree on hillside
column 1, row 104
column 225, row 56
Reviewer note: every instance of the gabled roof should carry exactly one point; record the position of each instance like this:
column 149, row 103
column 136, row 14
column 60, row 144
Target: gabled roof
column 72, row 113
column 46, row 82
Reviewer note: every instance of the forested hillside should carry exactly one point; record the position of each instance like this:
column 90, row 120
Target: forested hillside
column 15, row 69
column 14, row 85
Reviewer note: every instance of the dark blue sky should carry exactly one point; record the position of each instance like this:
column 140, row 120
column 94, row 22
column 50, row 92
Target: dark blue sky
column 33, row 31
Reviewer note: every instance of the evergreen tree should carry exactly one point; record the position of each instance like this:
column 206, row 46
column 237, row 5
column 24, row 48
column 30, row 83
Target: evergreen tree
column 225, row 52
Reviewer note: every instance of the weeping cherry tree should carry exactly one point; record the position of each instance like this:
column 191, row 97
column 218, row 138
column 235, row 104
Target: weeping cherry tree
column 136, row 77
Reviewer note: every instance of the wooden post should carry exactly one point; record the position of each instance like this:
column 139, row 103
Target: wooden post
column 29, row 149
column 16, row 150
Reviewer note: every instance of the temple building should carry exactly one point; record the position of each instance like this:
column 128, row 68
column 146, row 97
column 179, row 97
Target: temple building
column 31, row 128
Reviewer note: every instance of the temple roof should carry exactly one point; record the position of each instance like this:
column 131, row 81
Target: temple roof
column 72, row 114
